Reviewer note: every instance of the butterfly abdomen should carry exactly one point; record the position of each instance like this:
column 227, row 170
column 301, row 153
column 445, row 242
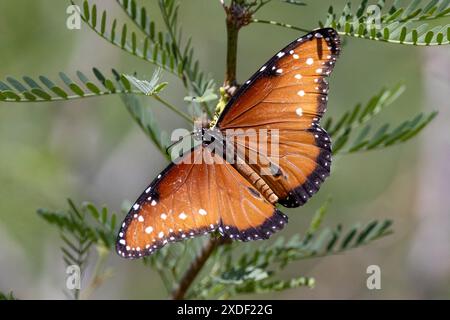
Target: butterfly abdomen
column 246, row 171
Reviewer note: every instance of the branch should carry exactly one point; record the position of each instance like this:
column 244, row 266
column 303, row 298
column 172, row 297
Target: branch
column 280, row 24
column 238, row 15
column 232, row 45
column 196, row 266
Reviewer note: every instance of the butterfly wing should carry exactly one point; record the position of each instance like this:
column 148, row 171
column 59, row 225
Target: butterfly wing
column 288, row 96
column 198, row 194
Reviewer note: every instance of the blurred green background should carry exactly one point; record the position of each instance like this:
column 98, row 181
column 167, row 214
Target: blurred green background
column 91, row 150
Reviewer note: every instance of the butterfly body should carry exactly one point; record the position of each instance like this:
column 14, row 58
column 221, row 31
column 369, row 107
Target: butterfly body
column 266, row 147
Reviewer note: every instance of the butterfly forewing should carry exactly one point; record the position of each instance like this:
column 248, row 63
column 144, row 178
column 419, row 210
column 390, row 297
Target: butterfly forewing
column 288, row 95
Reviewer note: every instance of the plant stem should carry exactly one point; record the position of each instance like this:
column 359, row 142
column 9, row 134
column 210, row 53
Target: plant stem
column 196, row 266
column 236, row 18
column 188, row 73
column 232, row 45
column 174, row 109
column 99, row 275
column 280, row 24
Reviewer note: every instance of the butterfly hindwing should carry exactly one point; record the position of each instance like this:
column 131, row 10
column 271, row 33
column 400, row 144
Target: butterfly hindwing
column 190, row 199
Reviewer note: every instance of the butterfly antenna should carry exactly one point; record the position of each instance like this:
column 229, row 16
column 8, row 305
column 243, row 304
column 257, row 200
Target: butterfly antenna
column 178, row 141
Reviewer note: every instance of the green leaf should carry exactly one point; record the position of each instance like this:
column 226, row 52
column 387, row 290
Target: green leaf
column 207, row 96
column 254, row 268
column 8, row 296
column 165, row 50
column 318, row 218
column 86, row 9
column 343, row 128
column 50, row 91
column 384, row 137
column 397, row 24
column 91, row 86
column 20, row 88
column 72, row 85
column 144, row 118
column 348, row 238
column 150, row 87
column 79, row 232
column 94, row 16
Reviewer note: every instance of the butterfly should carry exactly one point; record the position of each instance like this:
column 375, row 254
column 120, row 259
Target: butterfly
column 287, row 97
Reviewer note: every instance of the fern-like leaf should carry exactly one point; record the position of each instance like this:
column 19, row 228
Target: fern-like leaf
column 361, row 114
column 44, row 89
column 143, row 115
column 80, row 228
column 7, row 296
column 153, row 50
column 383, row 137
column 394, row 24
column 86, row 223
column 253, row 271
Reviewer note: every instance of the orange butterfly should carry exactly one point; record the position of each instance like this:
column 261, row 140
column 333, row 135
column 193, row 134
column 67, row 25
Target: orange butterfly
column 287, row 96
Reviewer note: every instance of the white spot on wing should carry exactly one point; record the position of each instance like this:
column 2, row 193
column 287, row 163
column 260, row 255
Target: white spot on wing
column 149, row 230
column 309, row 61
column 299, row 112
column 202, row 212
column 298, row 76
column 136, row 206
column 301, row 93
column 182, row 216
